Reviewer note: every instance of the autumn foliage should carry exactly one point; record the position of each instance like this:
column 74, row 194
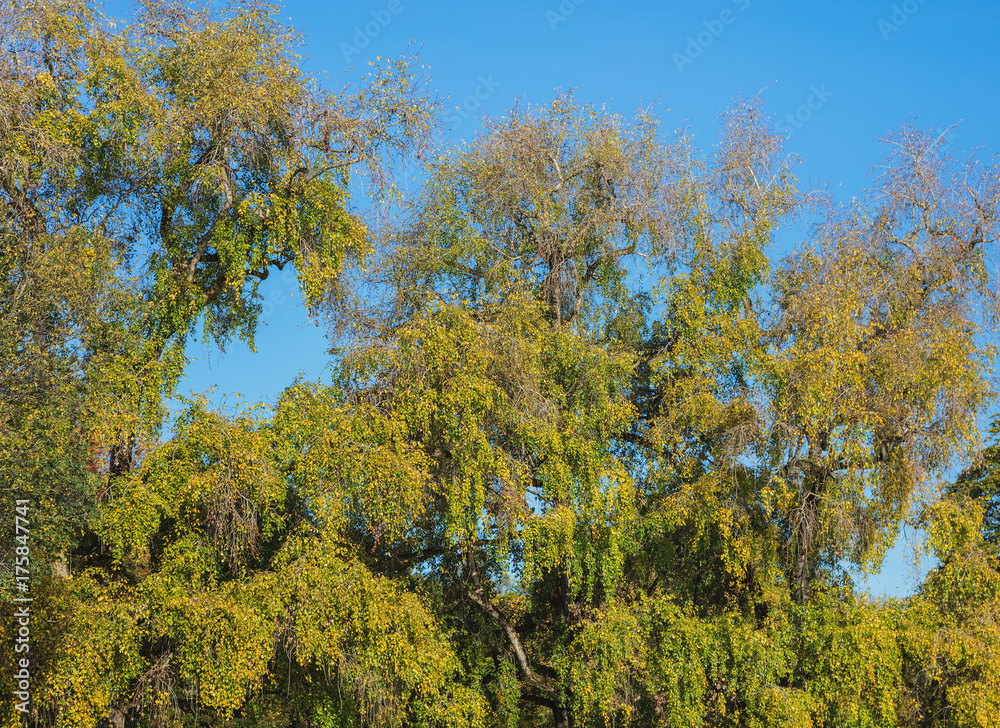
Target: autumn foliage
column 614, row 424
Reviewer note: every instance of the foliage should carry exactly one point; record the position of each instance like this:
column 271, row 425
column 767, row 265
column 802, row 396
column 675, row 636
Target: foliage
column 592, row 453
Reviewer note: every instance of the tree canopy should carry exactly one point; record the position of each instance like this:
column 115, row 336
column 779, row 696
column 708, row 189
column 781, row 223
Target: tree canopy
column 595, row 452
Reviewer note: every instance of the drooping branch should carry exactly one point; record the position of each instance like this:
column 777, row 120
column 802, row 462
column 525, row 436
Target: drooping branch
column 478, row 595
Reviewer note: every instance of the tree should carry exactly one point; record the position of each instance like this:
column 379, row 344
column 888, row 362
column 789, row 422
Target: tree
column 882, row 372
column 724, row 443
column 591, row 455
column 490, row 360
column 192, row 148
column 948, row 631
column 150, row 177
column 981, row 483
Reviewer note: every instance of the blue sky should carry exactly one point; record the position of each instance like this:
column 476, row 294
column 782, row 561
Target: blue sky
column 837, row 75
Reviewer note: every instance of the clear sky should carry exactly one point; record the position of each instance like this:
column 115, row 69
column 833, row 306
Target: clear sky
column 837, row 75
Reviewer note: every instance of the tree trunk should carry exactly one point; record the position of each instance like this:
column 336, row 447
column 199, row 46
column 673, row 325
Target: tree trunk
column 563, row 718
column 806, row 522
column 120, row 458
